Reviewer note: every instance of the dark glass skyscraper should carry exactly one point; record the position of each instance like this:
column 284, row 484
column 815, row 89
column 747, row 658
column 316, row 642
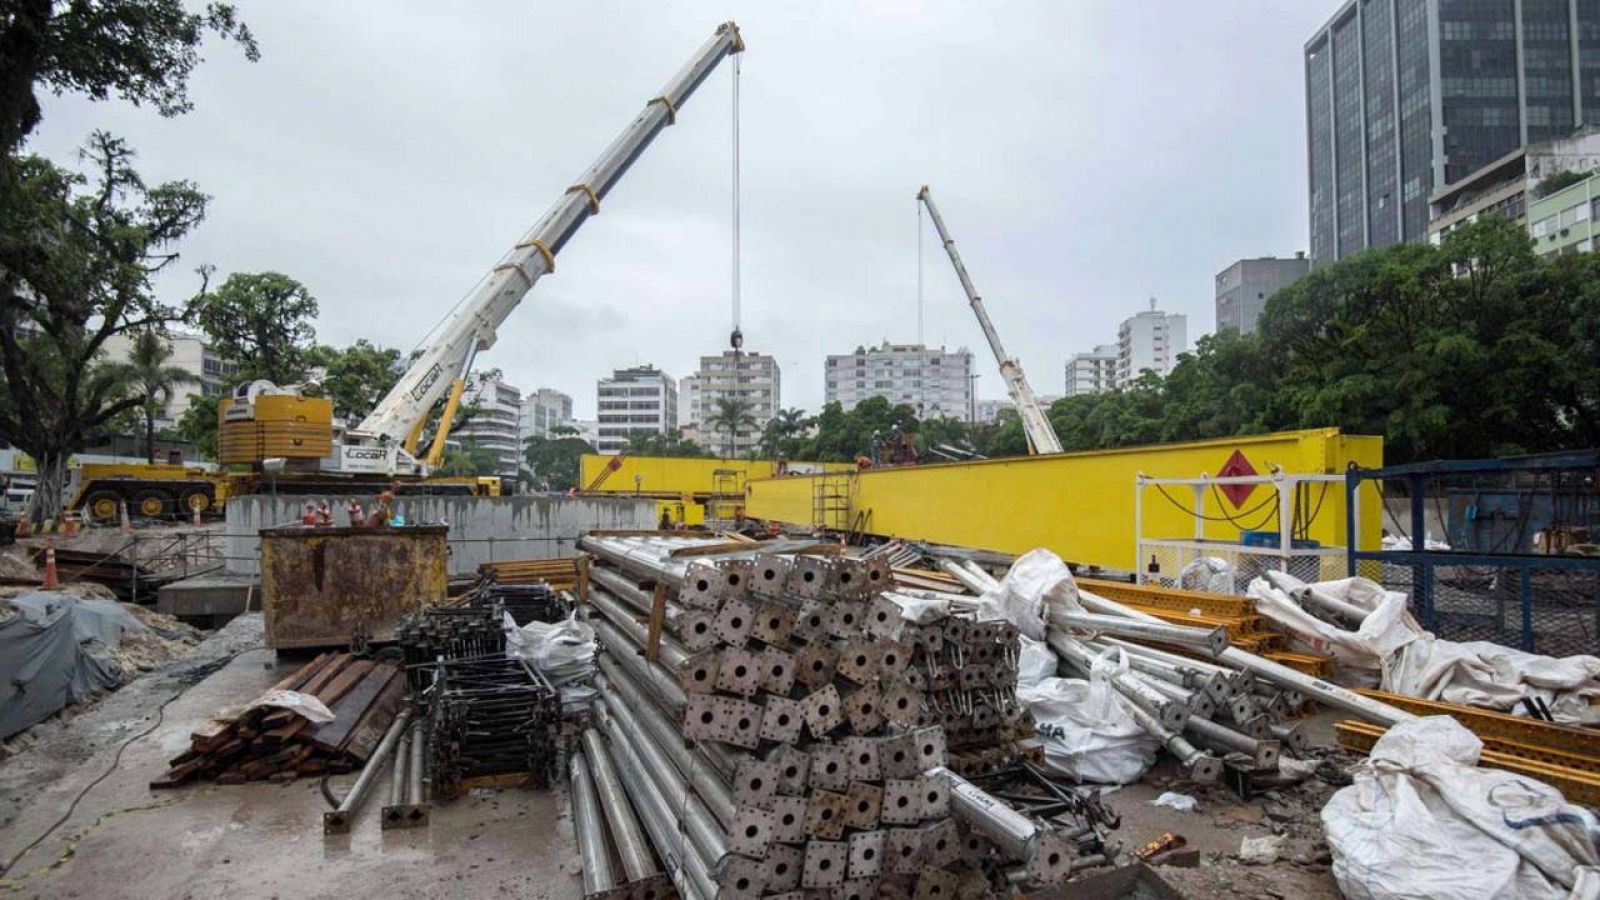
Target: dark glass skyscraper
column 1404, row 97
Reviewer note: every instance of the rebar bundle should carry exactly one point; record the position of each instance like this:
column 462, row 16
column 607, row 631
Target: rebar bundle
column 489, row 716
column 523, row 602
column 437, row 633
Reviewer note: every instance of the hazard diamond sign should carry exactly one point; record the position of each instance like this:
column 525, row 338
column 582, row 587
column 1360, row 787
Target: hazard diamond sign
column 1237, row 466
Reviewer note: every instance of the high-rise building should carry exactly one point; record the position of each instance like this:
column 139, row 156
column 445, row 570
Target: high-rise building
column 989, row 410
column 212, row 374
column 1244, row 287
column 641, row 398
column 933, row 381
column 1406, row 97
column 497, row 421
column 1093, row 372
column 543, row 411
column 750, row 378
column 1150, row 340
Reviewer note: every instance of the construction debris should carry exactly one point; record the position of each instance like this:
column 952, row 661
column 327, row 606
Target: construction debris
column 790, row 715
column 269, row 742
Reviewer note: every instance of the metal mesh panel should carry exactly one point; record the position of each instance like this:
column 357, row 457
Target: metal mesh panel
column 1245, row 565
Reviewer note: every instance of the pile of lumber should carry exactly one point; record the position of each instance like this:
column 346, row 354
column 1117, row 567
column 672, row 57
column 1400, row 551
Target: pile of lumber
column 271, row 743
column 560, row 573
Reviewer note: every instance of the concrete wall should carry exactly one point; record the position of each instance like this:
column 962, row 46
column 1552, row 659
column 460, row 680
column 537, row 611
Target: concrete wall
column 482, row 529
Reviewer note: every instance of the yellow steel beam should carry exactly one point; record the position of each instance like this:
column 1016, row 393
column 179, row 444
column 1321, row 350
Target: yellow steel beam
column 1489, row 723
column 1576, row 784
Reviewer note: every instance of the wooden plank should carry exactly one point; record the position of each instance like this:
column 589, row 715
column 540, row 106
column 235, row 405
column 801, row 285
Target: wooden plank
column 329, row 737
column 353, row 675
column 376, row 720
column 303, row 674
column 658, row 617
column 329, row 672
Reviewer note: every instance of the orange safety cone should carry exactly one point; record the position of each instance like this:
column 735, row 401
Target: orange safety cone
column 22, row 526
column 69, row 524
column 196, row 518
column 52, row 580
column 122, row 506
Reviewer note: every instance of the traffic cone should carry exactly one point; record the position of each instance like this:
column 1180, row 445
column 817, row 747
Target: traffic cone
column 122, row 506
column 196, row 518
column 69, row 524
column 22, row 526
column 51, row 579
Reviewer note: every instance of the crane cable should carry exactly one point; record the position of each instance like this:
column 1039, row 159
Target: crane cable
column 735, row 275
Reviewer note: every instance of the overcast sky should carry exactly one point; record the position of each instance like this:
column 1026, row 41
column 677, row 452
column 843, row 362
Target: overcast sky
column 1086, row 157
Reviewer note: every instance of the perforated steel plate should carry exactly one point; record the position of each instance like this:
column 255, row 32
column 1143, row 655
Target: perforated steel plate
column 862, row 804
column 856, row 889
column 825, row 864
column 941, row 842
column 863, row 754
column 936, row 884
column 734, row 621
column 903, row 851
column 788, row 819
column 858, row 661
column 817, row 662
column 794, row 766
column 696, row 628
column 769, row 575
column 784, row 867
column 774, row 622
column 755, row 782
column 825, row 811
column 902, row 704
column 739, row 672
column 866, row 853
column 930, row 747
column 742, row 878
column 778, row 669
column 702, row 586
column 898, row 756
column 809, row 576
column 782, row 720
column 698, row 674
column 902, row 801
column 846, row 619
column 830, row 767
column 864, row 709
column 824, row 711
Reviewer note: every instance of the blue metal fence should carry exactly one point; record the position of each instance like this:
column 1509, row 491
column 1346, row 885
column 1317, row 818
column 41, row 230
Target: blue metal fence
column 1492, row 585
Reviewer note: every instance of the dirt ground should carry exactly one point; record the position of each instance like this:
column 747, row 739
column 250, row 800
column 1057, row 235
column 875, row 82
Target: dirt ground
column 247, row 841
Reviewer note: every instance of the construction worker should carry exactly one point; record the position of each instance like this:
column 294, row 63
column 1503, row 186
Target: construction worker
column 666, row 521
column 309, row 517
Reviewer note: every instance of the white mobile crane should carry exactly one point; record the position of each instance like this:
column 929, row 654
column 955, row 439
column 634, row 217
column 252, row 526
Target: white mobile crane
column 385, row 442
column 1035, row 424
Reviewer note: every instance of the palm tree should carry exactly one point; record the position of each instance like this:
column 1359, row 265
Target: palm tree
column 731, row 416
column 784, row 425
column 147, row 375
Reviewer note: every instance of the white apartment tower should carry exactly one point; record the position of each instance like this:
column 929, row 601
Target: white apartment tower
column 933, row 381
column 543, row 411
column 752, row 378
column 1150, row 340
column 641, row 398
column 497, row 423
column 213, row 375
column 1094, row 372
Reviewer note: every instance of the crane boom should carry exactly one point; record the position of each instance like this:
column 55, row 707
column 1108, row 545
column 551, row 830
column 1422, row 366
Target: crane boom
column 473, row 326
column 1035, row 424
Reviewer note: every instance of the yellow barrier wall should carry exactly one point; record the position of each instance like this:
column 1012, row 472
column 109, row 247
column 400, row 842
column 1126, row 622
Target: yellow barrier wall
column 681, row 474
column 1081, row 505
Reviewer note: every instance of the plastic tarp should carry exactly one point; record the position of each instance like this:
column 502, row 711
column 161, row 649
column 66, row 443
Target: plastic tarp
column 1391, row 651
column 1037, row 579
column 1035, row 662
column 562, row 651
column 1088, row 733
column 52, row 654
column 1208, row 574
column 1420, row 821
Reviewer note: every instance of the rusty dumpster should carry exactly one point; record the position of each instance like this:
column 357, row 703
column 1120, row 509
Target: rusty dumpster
column 325, row 587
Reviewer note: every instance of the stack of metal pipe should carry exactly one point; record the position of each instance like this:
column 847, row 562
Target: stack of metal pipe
column 775, row 735
column 1215, row 707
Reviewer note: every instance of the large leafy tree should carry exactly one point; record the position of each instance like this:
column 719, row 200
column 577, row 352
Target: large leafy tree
column 78, row 254
column 553, row 462
column 784, row 433
column 262, row 321
column 147, row 376
column 655, row 443
column 141, row 51
column 356, row 377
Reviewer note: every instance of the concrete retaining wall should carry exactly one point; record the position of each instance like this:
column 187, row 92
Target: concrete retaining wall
column 482, row 529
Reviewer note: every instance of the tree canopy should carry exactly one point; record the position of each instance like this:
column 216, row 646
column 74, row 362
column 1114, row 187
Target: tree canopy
column 263, row 321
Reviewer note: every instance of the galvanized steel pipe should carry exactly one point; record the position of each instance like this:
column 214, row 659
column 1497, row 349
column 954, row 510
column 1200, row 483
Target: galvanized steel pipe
column 637, row 862
column 597, row 874
column 1212, row 640
column 655, row 675
column 337, row 821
